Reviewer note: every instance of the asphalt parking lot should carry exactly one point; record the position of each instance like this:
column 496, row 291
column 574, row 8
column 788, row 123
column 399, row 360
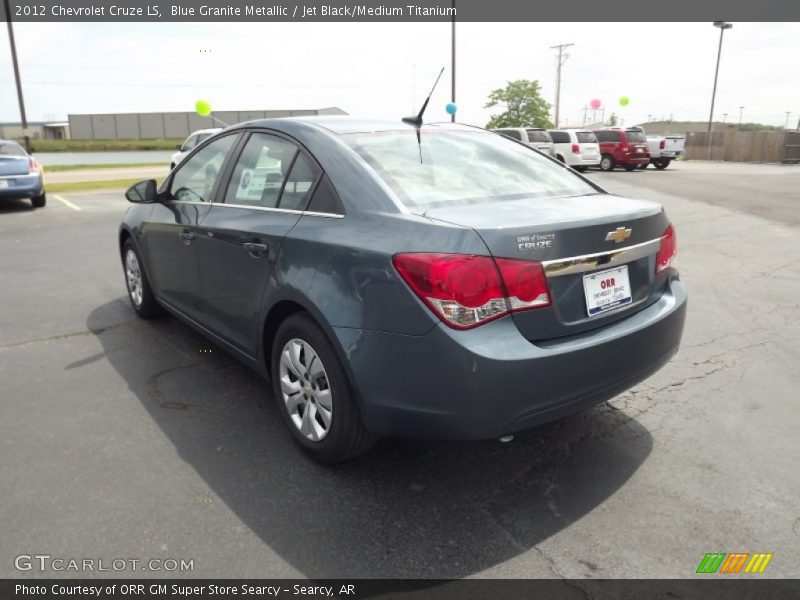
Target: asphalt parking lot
column 130, row 439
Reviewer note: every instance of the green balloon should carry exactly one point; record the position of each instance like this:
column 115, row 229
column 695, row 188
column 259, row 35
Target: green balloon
column 624, row 101
column 203, row 108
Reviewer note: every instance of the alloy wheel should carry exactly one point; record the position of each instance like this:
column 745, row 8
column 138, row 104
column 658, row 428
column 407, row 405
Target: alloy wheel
column 305, row 389
column 133, row 274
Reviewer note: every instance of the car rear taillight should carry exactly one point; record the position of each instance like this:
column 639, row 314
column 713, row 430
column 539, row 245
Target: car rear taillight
column 33, row 165
column 466, row 290
column 667, row 252
column 624, row 148
column 576, row 149
column 662, row 144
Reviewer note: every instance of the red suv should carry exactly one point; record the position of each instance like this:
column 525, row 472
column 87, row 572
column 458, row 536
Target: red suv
column 622, row 147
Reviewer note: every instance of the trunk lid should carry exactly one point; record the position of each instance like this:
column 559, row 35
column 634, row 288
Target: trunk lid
column 553, row 229
column 13, row 165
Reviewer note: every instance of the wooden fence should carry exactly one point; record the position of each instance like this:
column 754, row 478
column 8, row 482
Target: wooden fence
column 744, row 146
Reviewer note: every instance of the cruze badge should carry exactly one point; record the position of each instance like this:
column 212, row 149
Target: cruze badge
column 535, row 241
column 620, row 234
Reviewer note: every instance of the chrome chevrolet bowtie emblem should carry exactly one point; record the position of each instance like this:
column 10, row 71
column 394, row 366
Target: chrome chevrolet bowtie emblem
column 620, row 234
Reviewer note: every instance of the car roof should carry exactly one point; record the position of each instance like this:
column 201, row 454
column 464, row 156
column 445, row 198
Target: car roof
column 343, row 124
column 211, row 130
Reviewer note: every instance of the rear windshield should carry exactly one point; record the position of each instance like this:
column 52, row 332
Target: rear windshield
column 512, row 133
column 537, row 135
column 635, row 136
column 586, row 137
column 560, row 137
column 462, row 167
column 11, row 149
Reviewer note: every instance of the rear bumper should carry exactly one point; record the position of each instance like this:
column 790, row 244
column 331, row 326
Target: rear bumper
column 21, row 186
column 584, row 160
column 491, row 381
column 633, row 160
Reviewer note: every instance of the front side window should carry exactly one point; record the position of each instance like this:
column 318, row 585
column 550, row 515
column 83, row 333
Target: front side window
column 450, row 166
column 258, row 177
column 195, row 178
column 189, row 144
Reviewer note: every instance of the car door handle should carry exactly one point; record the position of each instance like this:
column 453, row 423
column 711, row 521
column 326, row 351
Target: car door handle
column 255, row 249
column 187, row 236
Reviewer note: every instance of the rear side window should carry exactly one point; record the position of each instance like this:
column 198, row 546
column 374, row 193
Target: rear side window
column 635, row 136
column 607, row 136
column 560, row 137
column 586, row 137
column 537, row 135
column 512, row 133
column 11, row 149
column 299, row 184
column 258, row 176
column 325, row 199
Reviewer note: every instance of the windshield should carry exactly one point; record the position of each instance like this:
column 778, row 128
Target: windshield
column 11, row 149
column 451, row 167
column 635, row 136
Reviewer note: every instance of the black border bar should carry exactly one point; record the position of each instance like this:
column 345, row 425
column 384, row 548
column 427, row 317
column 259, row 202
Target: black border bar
column 400, row 10
column 716, row 587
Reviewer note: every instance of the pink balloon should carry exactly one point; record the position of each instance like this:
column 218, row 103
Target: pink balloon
column 595, row 104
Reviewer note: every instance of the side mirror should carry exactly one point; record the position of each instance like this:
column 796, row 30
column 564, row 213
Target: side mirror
column 179, row 147
column 143, row 192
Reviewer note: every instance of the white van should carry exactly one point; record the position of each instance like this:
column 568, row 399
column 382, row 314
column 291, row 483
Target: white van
column 576, row 147
column 535, row 137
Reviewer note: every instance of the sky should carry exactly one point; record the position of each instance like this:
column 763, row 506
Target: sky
column 386, row 69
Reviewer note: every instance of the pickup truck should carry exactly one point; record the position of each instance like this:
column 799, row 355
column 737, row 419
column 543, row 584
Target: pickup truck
column 663, row 148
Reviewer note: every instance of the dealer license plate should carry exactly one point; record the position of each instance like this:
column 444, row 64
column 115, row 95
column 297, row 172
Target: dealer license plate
column 607, row 290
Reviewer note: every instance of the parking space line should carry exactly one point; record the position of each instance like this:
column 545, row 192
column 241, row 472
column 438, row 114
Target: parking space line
column 66, row 202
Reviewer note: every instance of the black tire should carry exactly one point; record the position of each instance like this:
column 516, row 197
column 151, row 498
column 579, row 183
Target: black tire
column 643, row 167
column 346, row 436
column 630, row 168
column 607, row 163
column 144, row 303
column 39, row 201
column 662, row 163
column 580, row 169
column 560, row 158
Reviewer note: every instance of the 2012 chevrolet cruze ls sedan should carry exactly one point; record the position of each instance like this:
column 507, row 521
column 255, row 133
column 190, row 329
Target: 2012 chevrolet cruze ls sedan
column 440, row 281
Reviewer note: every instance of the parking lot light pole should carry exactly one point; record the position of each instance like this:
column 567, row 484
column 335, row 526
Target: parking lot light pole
column 16, row 78
column 722, row 25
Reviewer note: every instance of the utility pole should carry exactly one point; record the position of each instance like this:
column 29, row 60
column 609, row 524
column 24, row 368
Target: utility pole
column 562, row 58
column 453, row 62
column 741, row 108
column 786, row 125
column 17, row 78
column 724, row 119
column 585, row 111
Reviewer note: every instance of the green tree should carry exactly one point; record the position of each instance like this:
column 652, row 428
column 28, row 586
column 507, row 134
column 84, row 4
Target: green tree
column 612, row 120
column 524, row 105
